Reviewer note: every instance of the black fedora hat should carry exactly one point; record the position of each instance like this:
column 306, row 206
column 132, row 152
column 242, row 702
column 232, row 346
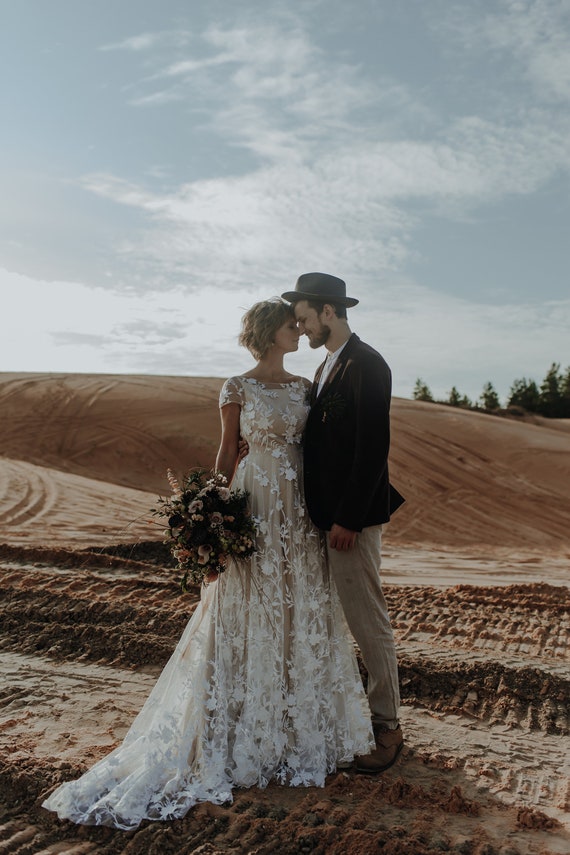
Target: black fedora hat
column 321, row 287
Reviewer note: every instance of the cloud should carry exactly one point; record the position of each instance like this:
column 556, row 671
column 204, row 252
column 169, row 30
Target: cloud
column 50, row 326
column 317, row 159
column 452, row 341
column 447, row 341
column 258, row 226
column 537, row 32
column 267, row 86
column 74, row 339
column 339, row 177
column 143, row 41
column 533, row 33
column 117, row 189
column 154, row 99
column 354, row 205
column 151, row 333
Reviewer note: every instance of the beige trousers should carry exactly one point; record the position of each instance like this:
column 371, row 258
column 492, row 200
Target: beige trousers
column 357, row 578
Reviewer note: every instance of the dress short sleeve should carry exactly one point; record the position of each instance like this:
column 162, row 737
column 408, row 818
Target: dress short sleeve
column 232, row 392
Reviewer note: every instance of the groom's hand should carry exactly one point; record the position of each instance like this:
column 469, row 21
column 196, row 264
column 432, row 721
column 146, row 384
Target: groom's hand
column 341, row 538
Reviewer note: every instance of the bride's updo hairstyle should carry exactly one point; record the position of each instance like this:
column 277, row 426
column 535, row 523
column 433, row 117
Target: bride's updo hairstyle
column 261, row 322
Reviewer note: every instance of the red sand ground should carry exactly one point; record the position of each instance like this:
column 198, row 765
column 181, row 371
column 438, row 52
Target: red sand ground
column 476, row 566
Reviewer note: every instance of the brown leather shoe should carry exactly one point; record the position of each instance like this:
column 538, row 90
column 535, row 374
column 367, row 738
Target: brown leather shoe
column 389, row 743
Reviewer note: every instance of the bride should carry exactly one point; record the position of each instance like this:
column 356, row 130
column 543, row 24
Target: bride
column 263, row 684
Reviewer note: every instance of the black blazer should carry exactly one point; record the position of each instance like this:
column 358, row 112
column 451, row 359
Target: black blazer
column 346, row 442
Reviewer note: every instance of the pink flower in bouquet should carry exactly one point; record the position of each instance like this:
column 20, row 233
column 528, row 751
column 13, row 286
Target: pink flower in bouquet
column 216, row 518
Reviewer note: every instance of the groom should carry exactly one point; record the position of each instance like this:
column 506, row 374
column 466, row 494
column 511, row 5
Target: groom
column 348, row 494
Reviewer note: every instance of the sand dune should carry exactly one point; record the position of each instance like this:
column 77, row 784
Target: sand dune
column 473, row 478
column 477, row 565
column 120, row 429
column 43, row 505
column 469, row 478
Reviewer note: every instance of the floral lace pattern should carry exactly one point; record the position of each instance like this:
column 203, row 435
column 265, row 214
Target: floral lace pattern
column 263, row 684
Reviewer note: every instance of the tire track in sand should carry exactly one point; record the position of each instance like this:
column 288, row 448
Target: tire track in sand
column 28, row 493
column 83, row 637
column 35, row 499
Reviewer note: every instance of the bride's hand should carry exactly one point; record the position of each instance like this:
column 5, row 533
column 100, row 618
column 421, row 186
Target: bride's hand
column 243, row 449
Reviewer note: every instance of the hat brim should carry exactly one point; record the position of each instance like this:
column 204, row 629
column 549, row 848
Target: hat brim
column 295, row 296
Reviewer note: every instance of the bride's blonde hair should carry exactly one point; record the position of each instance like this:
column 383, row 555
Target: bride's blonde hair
column 261, row 322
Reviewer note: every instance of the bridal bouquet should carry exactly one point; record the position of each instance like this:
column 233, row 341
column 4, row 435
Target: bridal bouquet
column 207, row 524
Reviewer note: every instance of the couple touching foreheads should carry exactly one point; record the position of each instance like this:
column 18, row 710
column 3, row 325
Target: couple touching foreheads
column 264, row 683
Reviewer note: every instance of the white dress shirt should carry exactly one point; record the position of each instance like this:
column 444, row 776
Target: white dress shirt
column 329, row 365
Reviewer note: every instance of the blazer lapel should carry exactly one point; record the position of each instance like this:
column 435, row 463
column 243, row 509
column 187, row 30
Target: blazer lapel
column 315, row 385
column 343, row 358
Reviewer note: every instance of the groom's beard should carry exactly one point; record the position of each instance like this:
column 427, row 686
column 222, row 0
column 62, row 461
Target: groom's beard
column 320, row 337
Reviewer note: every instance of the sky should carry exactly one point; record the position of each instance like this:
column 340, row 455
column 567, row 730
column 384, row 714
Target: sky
column 164, row 164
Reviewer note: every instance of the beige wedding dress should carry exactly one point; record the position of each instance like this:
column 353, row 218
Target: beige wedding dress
column 263, row 684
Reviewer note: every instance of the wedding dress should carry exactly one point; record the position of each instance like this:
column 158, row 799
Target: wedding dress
column 263, row 684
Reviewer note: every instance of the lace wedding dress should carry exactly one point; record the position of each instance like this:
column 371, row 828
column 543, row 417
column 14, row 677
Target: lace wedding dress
column 263, row 684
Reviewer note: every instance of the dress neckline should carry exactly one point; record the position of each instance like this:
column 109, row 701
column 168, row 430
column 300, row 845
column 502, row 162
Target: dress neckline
column 273, row 383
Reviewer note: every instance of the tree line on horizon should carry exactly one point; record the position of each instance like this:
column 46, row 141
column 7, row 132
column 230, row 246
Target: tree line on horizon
column 550, row 399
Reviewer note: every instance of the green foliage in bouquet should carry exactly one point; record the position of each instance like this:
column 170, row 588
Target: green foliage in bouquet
column 207, row 524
